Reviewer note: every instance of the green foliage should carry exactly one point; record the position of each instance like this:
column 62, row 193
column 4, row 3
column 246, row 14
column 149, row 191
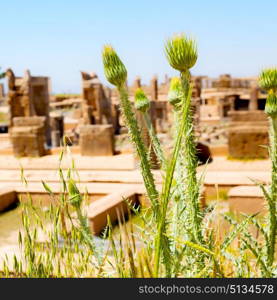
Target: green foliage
column 116, row 74
column 271, row 104
column 268, row 79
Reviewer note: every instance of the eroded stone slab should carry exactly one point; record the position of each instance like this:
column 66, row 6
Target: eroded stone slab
column 97, row 140
column 247, row 200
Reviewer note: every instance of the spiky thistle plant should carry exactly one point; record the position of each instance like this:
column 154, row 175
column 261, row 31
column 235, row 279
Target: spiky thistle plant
column 116, row 74
column 181, row 53
column 268, row 81
column 142, row 104
column 114, row 68
column 175, row 94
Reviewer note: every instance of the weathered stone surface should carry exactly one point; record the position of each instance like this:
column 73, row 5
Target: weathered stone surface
column 112, row 205
column 7, row 198
column 154, row 88
column 247, row 200
column 96, row 140
column 28, row 96
column 28, row 136
column 248, row 134
column 2, row 94
column 246, row 116
column 29, row 121
column 96, row 104
column 248, row 142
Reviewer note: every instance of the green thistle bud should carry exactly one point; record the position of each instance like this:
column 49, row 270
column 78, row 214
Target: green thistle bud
column 142, row 103
column 175, row 92
column 114, row 68
column 181, row 53
column 268, row 79
column 271, row 104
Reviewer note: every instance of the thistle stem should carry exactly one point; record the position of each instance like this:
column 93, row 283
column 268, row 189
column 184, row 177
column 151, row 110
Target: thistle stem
column 192, row 186
column 272, row 201
column 135, row 134
column 155, row 141
column 168, row 183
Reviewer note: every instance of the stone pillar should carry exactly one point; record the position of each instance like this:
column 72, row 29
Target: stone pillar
column 166, row 79
column 254, row 96
column 154, row 88
column 96, row 105
column 116, row 117
column 2, row 94
column 197, row 86
column 137, row 83
column 220, row 102
column 87, row 114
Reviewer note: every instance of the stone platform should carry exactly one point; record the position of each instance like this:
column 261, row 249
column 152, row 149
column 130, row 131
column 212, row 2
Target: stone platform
column 106, row 178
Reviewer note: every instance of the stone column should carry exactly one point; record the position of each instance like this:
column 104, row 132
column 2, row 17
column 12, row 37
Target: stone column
column 154, row 88
column 254, row 96
column 98, row 98
column 137, row 83
column 220, row 102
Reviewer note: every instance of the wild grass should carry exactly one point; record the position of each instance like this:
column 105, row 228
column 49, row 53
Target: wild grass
column 175, row 236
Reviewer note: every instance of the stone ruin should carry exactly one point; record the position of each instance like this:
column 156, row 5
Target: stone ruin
column 161, row 112
column 212, row 100
column 224, row 94
column 97, row 130
column 2, row 94
column 96, row 103
column 248, row 134
column 28, row 136
column 29, row 125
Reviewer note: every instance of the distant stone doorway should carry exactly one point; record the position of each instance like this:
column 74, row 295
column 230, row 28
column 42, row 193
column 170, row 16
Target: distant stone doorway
column 261, row 104
column 241, row 104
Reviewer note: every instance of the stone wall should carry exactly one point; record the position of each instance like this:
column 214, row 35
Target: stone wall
column 248, row 135
column 96, row 140
column 28, row 136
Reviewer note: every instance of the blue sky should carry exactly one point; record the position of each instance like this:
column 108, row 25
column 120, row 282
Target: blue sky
column 60, row 38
